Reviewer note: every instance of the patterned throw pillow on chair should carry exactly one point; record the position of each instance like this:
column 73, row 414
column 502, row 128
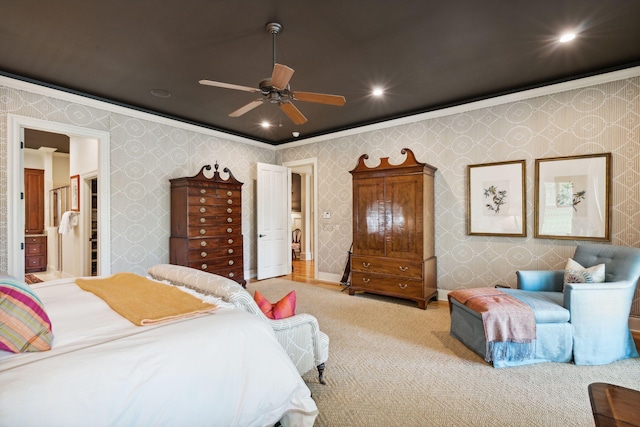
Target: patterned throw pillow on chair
column 575, row 273
column 286, row 307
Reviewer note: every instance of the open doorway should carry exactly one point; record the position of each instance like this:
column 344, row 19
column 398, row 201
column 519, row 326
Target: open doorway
column 88, row 144
column 304, row 217
column 60, row 212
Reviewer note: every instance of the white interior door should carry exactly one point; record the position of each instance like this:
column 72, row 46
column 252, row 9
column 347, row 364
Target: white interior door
column 273, row 206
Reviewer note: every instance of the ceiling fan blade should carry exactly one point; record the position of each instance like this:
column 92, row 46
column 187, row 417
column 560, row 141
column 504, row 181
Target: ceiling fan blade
column 228, row 86
column 281, row 76
column 293, row 113
column 320, row 98
column 245, row 109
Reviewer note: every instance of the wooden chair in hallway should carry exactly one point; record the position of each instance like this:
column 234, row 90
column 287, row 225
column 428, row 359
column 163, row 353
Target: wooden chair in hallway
column 296, row 235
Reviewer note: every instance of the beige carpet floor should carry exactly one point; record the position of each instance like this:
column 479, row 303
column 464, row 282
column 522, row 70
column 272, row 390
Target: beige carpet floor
column 392, row 364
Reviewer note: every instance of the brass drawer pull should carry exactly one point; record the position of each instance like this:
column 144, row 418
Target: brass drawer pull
column 230, row 262
column 403, row 268
column 402, row 285
column 203, row 266
column 230, row 251
column 230, row 241
column 202, row 220
column 229, row 210
column 366, row 279
column 203, row 231
column 229, row 193
column 203, row 191
column 203, row 254
column 366, row 264
column 203, row 243
column 202, row 210
column 229, row 230
column 231, row 274
column 202, row 200
column 229, row 219
column 229, row 202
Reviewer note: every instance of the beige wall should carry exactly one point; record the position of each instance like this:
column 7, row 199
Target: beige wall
column 145, row 153
column 595, row 119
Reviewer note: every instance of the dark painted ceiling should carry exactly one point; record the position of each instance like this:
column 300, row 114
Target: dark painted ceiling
column 35, row 139
column 425, row 54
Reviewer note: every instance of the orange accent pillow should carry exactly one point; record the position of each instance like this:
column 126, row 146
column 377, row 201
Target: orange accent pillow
column 286, row 307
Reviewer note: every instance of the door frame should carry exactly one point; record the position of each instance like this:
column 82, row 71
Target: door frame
column 313, row 163
column 15, row 186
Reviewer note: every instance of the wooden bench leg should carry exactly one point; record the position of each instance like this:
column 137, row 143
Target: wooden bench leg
column 321, row 373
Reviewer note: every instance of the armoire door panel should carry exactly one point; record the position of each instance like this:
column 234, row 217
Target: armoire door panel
column 404, row 213
column 369, row 217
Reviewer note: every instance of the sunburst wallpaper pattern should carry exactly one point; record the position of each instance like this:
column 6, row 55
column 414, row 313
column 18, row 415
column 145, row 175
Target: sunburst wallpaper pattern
column 145, row 154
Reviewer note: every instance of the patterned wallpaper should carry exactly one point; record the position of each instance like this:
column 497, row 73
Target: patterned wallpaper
column 596, row 119
column 146, row 153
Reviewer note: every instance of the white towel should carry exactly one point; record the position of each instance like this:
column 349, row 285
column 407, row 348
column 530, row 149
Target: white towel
column 68, row 221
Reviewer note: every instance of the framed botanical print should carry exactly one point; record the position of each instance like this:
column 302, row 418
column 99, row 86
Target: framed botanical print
column 496, row 199
column 572, row 197
column 75, row 193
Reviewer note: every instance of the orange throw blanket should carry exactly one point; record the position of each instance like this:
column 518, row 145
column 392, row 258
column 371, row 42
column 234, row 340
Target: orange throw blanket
column 143, row 301
column 506, row 320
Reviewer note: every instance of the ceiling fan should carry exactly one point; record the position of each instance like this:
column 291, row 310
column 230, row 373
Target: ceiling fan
column 276, row 89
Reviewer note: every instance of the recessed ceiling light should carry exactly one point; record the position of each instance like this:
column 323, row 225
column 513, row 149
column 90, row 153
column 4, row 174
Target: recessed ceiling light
column 295, row 134
column 377, row 91
column 567, row 37
column 160, row 93
column 265, row 124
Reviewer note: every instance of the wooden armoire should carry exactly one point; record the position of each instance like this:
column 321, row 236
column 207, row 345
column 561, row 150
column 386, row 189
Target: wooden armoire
column 206, row 224
column 393, row 229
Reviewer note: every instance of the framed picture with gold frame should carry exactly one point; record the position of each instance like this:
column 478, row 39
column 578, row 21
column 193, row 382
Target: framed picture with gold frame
column 74, row 189
column 572, row 197
column 496, row 199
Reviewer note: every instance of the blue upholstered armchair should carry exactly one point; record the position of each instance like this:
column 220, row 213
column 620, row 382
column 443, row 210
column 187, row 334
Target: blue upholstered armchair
column 584, row 322
column 599, row 312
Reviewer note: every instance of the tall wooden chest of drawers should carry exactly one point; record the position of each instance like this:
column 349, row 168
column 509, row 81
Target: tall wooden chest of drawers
column 393, row 229
column 206, row 224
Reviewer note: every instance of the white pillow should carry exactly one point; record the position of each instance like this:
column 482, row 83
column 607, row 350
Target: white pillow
column 207, row 283
column 575, row 273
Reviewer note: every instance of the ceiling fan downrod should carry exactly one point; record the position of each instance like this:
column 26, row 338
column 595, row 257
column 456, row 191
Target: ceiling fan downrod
column 274, row 28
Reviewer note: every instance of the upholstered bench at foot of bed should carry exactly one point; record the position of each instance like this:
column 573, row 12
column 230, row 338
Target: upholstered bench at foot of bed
column 553, row 331
column 299, row 335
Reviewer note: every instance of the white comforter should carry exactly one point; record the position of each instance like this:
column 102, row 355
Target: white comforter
column 220, row 369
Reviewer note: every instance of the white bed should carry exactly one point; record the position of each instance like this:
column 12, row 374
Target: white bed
column 220, row 369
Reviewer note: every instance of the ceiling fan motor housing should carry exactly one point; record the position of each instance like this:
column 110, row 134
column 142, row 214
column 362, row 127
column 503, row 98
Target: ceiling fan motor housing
column 274, row 27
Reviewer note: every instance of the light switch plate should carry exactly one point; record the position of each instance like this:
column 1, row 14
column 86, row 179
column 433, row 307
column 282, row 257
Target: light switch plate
column 326, row 215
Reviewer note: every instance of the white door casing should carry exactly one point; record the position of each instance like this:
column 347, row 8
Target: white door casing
column 273, row 204
column 15, row 185
column 309, row 168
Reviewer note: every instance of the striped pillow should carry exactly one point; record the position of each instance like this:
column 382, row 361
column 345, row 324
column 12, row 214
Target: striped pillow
column 24, row 325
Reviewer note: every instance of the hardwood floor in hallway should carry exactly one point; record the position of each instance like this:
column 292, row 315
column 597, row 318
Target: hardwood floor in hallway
column 302, row 271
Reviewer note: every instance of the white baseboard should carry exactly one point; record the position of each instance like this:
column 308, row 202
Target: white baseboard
column 442, row 294
column 329, row 277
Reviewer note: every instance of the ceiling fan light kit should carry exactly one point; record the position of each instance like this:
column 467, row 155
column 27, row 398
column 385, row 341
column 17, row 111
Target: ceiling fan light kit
column 276, row 90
